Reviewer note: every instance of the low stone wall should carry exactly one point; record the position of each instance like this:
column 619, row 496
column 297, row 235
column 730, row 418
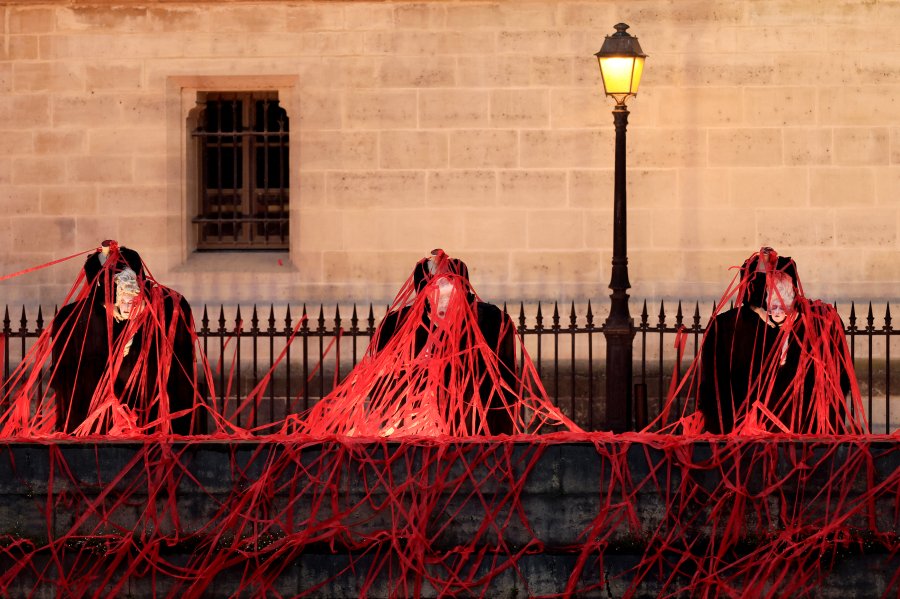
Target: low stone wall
column 597, row 515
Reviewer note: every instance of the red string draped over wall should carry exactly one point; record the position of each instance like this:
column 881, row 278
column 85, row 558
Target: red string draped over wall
column 437, row 467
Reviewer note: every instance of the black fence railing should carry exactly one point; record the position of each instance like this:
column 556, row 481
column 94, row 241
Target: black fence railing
column 567, row 348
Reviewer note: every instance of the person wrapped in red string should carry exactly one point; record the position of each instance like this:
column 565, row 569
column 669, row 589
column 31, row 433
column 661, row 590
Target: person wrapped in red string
column 442, row 362
column 123, row 352
column 775, row 362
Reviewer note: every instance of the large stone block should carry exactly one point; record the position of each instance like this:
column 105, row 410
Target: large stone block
column 861, row 146
column 887, row 182
column 495, row 230
column 745, row 147
column 17, row 143
column 876, row 227
column 555, row 229
column 420, row 16
column 520, row 189
column 38, row 233
column 864, row 105
column 788, row 227
column 70, row 200
column 31, row 19
column 769, row 187
column 417, row 72
column 689, row 107
column 367, row 189
column 552, row 267
column 808, row 146
column 484, row 149
column 380, row 109
column 319, row 109
column 523, row 108
column 100, row 169
column 108, row 76
column 453, row 108
column 38, row 171
column 841, row 186
column 493, row 70
column 330, row 150
column 18, row 47
column 719, row 228
column 310, row 17
column 413, row 149
column 681, row 147
column 24, row 111
column 567, row 149
column 579, row 109
column 460, row 188
column 788, row 106
column 552, row 71
column 31, row 77
column 404, row 43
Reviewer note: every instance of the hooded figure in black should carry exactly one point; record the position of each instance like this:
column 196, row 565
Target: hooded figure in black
column 744, row 348
column 496, row 327
column 776, row 361
column 123, row 353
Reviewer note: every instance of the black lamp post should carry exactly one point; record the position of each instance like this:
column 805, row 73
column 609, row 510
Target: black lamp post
column 621, row 65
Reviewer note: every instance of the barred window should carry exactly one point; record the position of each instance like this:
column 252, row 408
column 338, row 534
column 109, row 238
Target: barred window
column 242, row 140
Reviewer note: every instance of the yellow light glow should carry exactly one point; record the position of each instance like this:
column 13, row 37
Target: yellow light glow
column 621, row 74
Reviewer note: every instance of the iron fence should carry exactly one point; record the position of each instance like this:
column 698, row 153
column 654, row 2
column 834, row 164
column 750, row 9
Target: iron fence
column 567, row 348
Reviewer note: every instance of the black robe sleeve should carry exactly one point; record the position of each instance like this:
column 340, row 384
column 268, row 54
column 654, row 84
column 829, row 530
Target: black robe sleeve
column 80, row 354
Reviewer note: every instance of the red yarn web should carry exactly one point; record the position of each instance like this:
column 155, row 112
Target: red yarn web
column 793, row 376
column 443, row 363
column 439, row 468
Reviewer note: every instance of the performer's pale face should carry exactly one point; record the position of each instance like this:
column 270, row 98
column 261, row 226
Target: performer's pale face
column 127, row 292
column 445, row 292
column 781, row 299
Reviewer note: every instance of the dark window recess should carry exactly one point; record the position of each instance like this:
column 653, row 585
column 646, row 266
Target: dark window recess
column 242, row 139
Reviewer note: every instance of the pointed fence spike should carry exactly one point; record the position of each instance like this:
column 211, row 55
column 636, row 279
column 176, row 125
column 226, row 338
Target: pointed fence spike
column 679, row 316
column 305, row 326
column 287, row 319
column 521, row 316
column 590, row 315
column 662, row 313
column 40, row 319
column 697, row 315
column 572, row 317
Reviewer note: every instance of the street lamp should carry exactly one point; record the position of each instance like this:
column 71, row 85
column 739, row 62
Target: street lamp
column 621, row 65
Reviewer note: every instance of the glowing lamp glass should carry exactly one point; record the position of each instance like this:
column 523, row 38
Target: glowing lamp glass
column 621, row 75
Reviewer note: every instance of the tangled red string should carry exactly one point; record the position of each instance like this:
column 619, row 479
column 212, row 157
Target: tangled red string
column 438, row 467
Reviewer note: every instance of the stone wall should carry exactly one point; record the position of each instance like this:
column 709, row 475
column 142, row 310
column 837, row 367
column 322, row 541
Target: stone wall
column 641, row 516
column 479, row 127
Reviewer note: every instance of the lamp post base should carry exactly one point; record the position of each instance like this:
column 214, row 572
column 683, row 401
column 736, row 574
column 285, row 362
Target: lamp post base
column 619, row 336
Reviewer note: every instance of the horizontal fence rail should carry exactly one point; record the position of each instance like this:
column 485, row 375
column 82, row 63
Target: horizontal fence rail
column 567, row 348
